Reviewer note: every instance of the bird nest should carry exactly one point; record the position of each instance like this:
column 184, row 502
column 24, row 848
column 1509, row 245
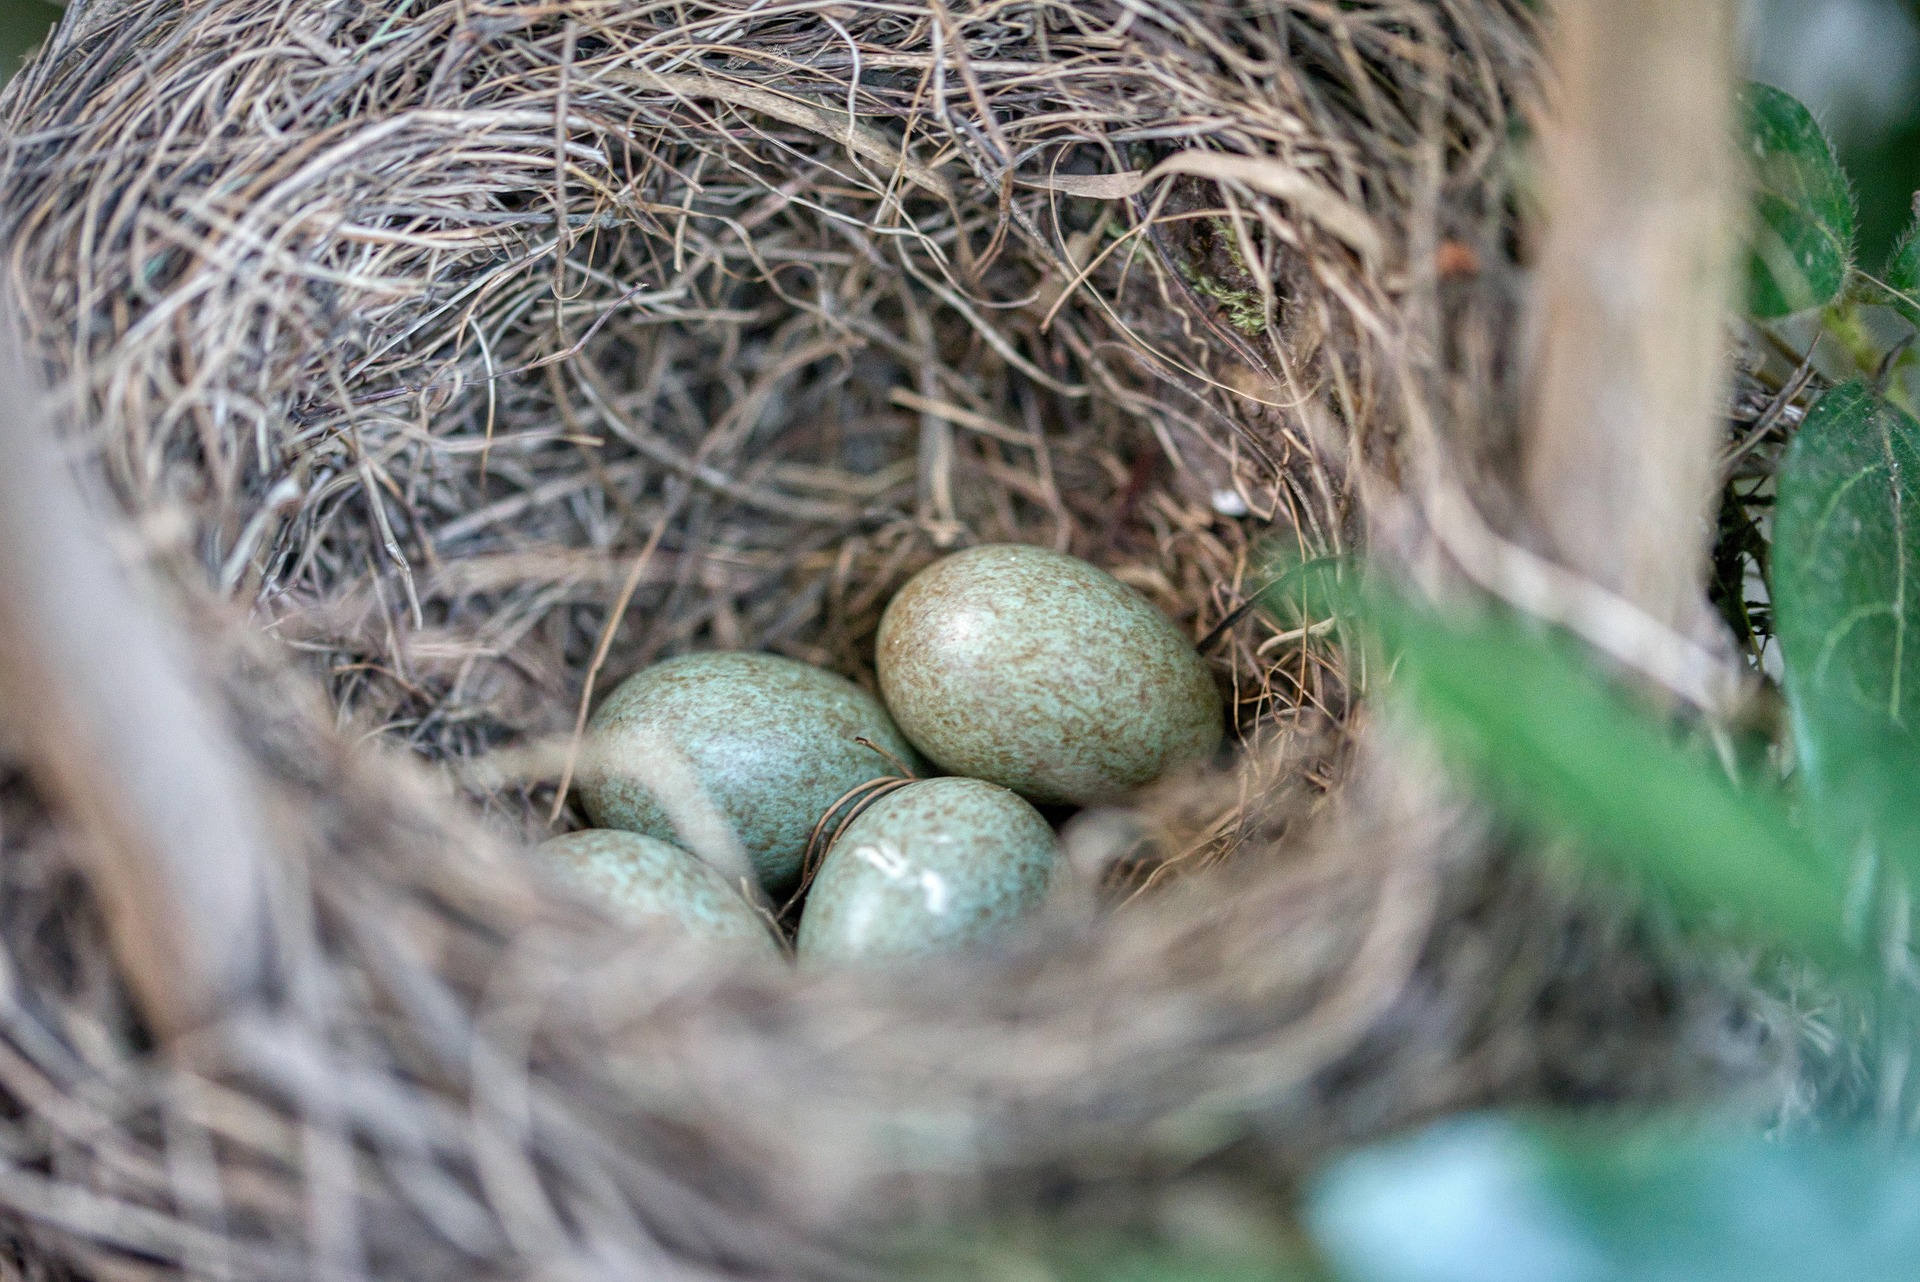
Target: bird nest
column 445, row 362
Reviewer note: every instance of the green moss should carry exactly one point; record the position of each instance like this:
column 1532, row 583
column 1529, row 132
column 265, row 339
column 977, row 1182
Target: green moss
column 1246, row 310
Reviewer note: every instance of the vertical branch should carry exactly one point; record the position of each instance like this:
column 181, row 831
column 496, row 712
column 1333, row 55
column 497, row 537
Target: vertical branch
column 1620, row 466
column 92, row 690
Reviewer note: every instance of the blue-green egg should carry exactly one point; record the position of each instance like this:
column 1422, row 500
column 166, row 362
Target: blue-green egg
column 933, row 865
column 758, row 744
column 1038, row 671
column 643, row 877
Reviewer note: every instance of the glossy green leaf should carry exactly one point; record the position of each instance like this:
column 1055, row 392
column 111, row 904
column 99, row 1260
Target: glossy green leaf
column 1488, row 1200
column 1846, row 598
column 1903, row 274
column 1557, row 747
column 1801, row 238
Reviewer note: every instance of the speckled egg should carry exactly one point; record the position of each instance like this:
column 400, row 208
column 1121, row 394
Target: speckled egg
column 763, row 742
column 640, row 877
column 938, row 863
column 1041, row 672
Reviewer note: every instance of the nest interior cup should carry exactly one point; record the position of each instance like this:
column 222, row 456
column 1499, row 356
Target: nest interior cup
column 453, row 362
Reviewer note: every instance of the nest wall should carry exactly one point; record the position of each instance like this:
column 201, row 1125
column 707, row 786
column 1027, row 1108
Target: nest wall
column 447, row 361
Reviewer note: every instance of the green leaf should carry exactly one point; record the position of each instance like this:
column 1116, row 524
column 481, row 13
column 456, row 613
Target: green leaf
column 1487, row 1200
column 1557, row 747
column 1846, row 598
column 1802, row 231
column 1903, row 274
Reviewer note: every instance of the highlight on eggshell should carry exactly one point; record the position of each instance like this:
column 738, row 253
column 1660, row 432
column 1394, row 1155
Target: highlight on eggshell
column 930, row 866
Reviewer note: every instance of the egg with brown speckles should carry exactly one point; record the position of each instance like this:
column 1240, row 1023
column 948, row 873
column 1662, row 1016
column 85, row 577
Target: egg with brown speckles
column 756, row 744
column 641, row 877
column 936, row 864
column 1036, row 670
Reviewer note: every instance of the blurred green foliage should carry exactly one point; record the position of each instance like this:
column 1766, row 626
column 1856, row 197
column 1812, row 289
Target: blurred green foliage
column 1523, row 715
column 1558, row 748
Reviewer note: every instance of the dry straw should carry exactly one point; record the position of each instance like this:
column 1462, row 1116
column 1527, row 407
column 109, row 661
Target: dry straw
column 450, row 359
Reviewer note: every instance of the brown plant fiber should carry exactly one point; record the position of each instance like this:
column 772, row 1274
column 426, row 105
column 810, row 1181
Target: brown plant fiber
column 448, row 361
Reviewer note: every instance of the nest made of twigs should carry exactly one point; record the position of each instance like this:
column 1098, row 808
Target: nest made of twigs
column 451, row 361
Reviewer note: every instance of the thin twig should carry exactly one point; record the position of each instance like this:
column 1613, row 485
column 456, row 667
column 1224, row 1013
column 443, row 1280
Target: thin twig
column 616, row 613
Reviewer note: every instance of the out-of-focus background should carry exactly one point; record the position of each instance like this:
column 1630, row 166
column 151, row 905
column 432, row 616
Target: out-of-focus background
column 22, row 24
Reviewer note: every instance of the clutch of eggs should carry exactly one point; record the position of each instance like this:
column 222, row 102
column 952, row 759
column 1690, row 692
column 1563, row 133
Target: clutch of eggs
column 1024, row 674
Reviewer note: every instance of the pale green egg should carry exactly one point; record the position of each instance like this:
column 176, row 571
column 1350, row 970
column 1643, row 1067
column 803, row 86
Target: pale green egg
column 1036, row 670
column 933, row 865
column 756, row 744
column 642, row 877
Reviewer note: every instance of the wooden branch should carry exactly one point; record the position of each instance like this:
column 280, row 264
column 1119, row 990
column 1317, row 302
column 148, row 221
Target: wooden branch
column 1620, row 465
column 92, row 690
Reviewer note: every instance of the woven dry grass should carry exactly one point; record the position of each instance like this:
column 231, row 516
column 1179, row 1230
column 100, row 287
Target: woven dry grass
column 452, row 360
